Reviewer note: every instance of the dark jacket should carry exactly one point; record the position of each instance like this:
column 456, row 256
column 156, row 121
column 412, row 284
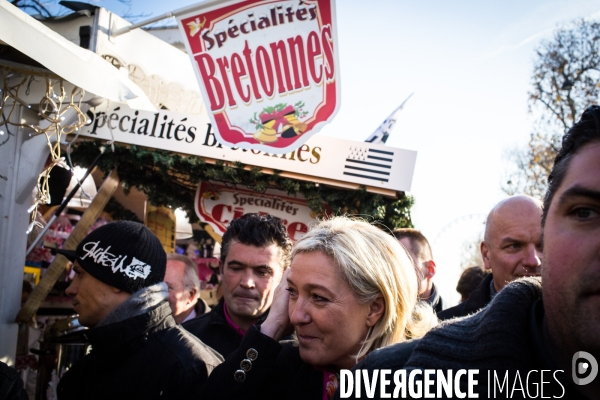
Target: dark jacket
column 212, row 328
column 505, row 336
column 276, row 373
column 146, row 357
column 480, row 297
column 11, row 385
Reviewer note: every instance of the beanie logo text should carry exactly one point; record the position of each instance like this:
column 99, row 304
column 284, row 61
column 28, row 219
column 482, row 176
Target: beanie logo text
column 135, row 269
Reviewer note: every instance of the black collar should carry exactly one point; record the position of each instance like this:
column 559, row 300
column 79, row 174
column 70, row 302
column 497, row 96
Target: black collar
column 132, row 333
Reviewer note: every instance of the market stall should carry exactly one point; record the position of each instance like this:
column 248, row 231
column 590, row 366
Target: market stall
column 129, row 108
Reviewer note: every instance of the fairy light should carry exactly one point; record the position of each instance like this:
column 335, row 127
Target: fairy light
column 30, row 227
column 52, row 109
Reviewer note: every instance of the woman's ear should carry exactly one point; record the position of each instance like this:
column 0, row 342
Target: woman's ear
column 376, row 309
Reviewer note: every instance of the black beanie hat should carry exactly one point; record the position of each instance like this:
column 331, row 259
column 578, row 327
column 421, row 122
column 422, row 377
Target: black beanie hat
column 123, row 254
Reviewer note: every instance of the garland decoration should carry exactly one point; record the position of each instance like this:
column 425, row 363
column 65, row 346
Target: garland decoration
column 120, row 213
column 171, row 179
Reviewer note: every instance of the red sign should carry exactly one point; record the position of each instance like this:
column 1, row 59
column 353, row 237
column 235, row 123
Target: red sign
column 218, row 205
column 268, row 70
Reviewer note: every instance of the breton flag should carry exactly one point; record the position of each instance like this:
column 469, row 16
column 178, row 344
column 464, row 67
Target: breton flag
column 382, row 133
column 368, row 163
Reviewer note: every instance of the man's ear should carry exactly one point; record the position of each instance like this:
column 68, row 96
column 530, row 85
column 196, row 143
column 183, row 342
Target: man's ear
column 485, row 254
column 193, row 294
column 431, row 269
column 376, row 309
column 220, row 266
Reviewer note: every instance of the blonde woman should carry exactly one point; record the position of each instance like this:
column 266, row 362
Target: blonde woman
column 351, row 288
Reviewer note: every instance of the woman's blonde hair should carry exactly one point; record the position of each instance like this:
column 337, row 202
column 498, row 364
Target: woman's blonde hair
column 373, row 263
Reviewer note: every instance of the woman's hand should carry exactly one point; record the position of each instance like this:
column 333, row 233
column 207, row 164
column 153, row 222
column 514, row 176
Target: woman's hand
column 277, row 325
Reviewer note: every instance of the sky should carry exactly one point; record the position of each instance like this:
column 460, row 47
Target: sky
column 469, row 64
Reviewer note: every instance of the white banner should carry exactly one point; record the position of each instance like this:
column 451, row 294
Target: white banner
column 343, row 160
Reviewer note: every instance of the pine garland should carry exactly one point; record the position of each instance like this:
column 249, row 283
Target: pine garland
column 170, row 179
column 120, row 213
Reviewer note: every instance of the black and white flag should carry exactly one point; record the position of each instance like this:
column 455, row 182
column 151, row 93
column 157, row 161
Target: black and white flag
column 369, row 163
column 382, row 133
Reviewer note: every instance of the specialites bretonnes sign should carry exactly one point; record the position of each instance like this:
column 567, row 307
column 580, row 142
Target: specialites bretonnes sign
column 268, row 70
column 370, row 164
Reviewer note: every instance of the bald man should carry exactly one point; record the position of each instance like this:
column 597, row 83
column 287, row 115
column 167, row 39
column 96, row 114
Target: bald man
column 511, row 248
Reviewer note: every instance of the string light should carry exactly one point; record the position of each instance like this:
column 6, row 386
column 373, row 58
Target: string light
column 52, row 108
column 30, row 227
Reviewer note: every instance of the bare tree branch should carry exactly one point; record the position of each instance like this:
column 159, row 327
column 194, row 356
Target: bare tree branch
column 565, row 82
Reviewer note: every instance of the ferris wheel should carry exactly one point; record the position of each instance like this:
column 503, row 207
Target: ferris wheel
column 461, row 224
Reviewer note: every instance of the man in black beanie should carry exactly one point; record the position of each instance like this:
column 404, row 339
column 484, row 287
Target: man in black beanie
column 138, row 351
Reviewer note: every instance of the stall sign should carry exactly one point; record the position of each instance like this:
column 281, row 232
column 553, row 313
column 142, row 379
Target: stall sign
column 268, row 70
column 369, row 164
column 218, row 205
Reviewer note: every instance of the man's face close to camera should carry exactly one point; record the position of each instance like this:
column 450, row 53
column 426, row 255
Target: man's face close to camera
column 571, row 273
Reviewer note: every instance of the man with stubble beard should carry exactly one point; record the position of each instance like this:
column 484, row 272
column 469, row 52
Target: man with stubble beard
column 545, row 330
column 255, row 252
